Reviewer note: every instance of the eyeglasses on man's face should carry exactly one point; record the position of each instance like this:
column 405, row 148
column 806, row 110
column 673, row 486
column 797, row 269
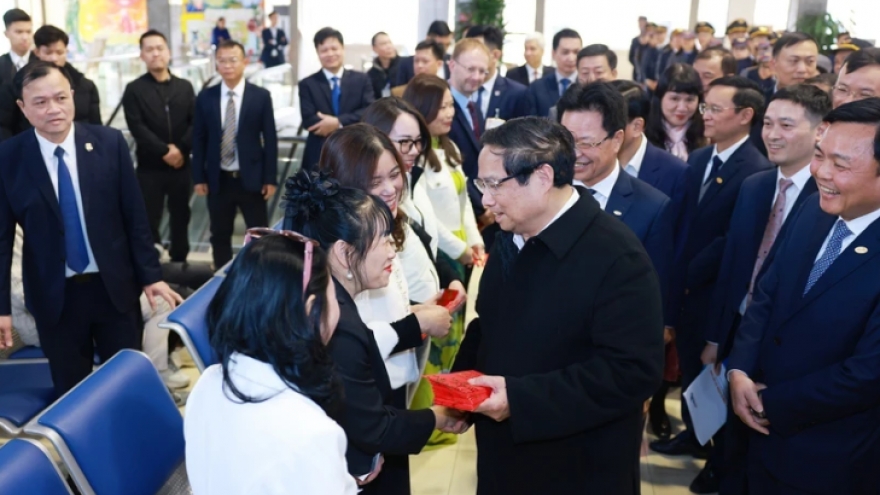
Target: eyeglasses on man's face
column 584, row 145
column 491, row 186
column 706, row 108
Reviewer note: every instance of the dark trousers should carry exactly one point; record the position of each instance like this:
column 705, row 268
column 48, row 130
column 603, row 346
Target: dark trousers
column 222, row 207
column 761, row 482
column 176, row 185
column 89, row 322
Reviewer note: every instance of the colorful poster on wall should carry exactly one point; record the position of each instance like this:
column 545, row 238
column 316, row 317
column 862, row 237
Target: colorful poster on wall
column 242, row 20
column 118, row 21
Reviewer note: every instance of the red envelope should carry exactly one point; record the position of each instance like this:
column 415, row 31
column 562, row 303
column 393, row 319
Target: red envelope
column 453, row 390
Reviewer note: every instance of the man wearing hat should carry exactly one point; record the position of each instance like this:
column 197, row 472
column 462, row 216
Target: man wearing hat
column 705, row 34
column 737, row 29
column 687, row 53
column 740, row 49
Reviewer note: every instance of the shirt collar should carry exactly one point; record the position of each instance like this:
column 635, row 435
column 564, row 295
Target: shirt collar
column 254, row 377
column 238, row 89
column 799, row 179
column 606, row 185
column 329, row 75
column 860, row 224
column 48, row 147
column 560, row 76
column 726, row 154
column 636, row 161
column 490, row 84
column 518, row 238
column 459, row 98
column 16, row 58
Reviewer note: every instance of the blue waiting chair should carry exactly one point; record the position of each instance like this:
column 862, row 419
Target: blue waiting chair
column 26, row 388
column 26, row 467
column 188, row 321
column 118, row 431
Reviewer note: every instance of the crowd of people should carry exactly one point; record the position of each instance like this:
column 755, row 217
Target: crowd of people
column 718, row 211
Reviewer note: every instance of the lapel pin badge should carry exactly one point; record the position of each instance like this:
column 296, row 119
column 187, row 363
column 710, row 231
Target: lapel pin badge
column 719, row 180
column 617, row 213
column 89, row 147
column 861, row 250
column 498, row 93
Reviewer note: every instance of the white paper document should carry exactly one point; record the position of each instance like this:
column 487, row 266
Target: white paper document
column 707, row 402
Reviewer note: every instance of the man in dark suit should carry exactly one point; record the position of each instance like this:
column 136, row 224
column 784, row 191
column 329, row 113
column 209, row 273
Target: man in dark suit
column 235, row 150
column 564, row 416
column 88, row 250
column 595, row 115
column 714, row 179
column 427, row 60
column 499, row 97
column 806, row 361
column 636, row 46
column 438, row 31
column 220, row 33
column 469, row 68
column 18, row 32
column 332, row 97
column 274, row 43
column 651, row 55
column 859, row 78
column 50, row 46
column 596, row 62
column 534, row 68
column 384, row 69
column 766, row 200
column 544, row 93
column 159, row 110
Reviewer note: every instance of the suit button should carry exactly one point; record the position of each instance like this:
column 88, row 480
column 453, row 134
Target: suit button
column 777, row 341
column 687, row 291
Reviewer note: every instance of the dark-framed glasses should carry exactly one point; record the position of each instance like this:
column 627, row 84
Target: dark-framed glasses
column 406, row 145
column 258, row 232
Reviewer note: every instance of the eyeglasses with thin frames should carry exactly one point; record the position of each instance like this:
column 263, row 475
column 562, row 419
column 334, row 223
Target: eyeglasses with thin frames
column 491, row 186
column 585, row 146
column 705, row 108
column 856, row 94
column 258, row 232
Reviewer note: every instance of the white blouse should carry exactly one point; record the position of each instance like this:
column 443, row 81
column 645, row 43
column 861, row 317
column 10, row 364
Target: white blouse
column 420, row 208
column 453, row 210
column 283, row 445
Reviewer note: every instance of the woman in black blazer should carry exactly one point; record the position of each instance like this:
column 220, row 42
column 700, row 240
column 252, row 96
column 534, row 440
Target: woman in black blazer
column 354, row 228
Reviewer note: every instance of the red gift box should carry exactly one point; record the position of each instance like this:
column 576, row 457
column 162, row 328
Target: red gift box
column 453, row 390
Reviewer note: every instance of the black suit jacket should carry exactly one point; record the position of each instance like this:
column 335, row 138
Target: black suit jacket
column 521, row 74
column 279, row 47
column 7, row 68
column 406, row 71
column 649, row 214
column 701, row 244
column 256, row 140
column 463, row 136
column 115, row 218
column 508, row 99
column 315, row 96
column 668, row 174
column 543, row 95
column 747, row 225
column 576, row 388
column 372, row 425
column 818, row 355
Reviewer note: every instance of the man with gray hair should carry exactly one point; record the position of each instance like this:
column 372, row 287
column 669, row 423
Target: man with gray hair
column 569, row 361
column 534, row 68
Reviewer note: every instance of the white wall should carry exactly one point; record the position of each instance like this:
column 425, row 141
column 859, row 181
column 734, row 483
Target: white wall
column 861, row 17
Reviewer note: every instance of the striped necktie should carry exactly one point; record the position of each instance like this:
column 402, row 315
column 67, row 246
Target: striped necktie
column 227, row 146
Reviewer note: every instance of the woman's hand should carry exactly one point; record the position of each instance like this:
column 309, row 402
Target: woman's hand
column 478, row 254
column 433, row 320
column 460, row 299
column 466, row 258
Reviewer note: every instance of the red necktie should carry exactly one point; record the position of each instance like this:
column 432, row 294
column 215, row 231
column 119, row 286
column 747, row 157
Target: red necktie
column 475, row 118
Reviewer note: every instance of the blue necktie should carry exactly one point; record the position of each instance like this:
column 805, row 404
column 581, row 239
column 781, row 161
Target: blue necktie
column 564, row 83
column 74, row 237
column 832, row 251
column 337, row 92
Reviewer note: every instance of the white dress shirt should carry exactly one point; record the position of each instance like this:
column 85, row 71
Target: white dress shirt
column 47, row 149
column 19, row 61
column 635, row 163
column 488, row 87
column 604, row 187
column 329, row 75
column 284, row 445
column 724, row 155
column 535, row 73
column 238, row 90
column 518, row 239
column 856, row 226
